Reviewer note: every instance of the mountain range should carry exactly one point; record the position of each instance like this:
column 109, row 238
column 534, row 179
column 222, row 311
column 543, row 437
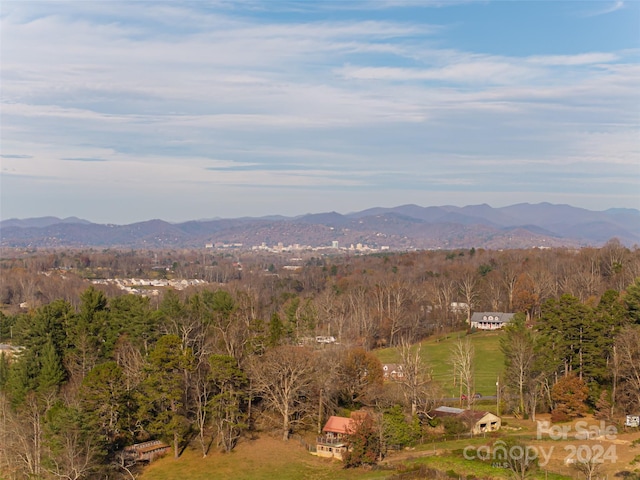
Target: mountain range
column 399, row 228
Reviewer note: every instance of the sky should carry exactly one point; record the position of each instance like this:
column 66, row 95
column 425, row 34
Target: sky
column 118, row 112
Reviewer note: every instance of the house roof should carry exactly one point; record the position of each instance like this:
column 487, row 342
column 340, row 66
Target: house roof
column 448, row 411
column 153, row 448
column 338, row 425
column 472, row 417
column 391, row 366
column 469, row 417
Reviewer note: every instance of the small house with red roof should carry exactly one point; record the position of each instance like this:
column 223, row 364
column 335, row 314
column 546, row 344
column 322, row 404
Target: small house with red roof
column 333, row 441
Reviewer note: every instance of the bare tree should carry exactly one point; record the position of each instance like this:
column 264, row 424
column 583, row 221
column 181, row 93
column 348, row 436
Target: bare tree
column 627, row 367
column 283, row 377
column 416, row 379
column 518, row 347
column 521, row 459
column 462, row 360
column 468, row 288
column 130, row 360
column 365, row 325
column 589, row 467
column 494, row 291
column 393, row 300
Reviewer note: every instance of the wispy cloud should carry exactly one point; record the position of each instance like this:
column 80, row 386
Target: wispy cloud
column 233, row 94
column 84, row 159
column 609, row 8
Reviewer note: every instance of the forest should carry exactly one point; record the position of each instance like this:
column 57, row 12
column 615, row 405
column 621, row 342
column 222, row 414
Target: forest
column 94, row 368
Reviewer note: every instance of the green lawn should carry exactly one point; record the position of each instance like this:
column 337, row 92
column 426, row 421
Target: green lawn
column 436, row 354
column 446, row 463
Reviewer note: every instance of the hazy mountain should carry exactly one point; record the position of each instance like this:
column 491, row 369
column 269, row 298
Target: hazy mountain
column 404, row 227
column 41, row 222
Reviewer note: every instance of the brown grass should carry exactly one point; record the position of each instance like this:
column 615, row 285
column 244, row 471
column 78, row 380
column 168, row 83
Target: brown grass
column 265, row 458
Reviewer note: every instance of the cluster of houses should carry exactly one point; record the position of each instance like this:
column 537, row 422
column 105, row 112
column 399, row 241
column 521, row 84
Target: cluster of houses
column 333, row 442
column 148, row 287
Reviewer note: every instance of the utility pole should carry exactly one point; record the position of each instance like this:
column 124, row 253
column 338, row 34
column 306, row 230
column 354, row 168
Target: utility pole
column 498, row 397
column 320, row 414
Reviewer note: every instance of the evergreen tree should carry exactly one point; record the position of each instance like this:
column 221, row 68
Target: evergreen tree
column 398, row 432
column 52, row 373
column 72, row 450
column 632, row 301
column 276, row 330
column 131, row 315
column 4, row 370
column 226, row 405
column 569, row 332
column 21, row 378
column 162, row 401
column 46, row 323
column 106, row 404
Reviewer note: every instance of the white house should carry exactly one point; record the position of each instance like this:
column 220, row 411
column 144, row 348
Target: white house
column 490, row 320
column 392, row 371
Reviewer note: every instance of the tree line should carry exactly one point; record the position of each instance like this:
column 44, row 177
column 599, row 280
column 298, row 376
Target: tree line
column 101, row 370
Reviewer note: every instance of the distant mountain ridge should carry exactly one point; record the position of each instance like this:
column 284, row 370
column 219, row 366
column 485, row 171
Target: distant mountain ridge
column 522, row 225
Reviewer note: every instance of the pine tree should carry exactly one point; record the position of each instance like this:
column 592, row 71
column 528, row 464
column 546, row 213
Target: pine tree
column 632, row 301
column 105, row 403
column 230, row 384
column 276, row 330
column 162, row 400
column 52, row 373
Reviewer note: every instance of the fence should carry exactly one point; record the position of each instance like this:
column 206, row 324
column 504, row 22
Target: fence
column 303, row 443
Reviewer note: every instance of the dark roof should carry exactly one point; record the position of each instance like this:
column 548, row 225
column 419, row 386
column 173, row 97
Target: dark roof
column 469, row 417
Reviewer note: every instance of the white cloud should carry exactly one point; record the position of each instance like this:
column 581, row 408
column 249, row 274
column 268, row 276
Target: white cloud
column 159, row 89
column 610, row 8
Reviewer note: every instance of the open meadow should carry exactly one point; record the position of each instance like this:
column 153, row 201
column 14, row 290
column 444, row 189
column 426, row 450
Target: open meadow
column 436, row 355
column 265, row 458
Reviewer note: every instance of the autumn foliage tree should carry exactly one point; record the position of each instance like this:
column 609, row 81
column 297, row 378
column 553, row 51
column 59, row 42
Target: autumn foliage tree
column 364, row 445
column 569, row 396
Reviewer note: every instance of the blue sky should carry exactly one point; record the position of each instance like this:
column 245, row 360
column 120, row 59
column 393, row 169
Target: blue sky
column 125, row 111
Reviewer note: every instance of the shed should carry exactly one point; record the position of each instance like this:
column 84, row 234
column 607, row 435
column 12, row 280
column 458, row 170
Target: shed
column 146, row 451
column 475, row 420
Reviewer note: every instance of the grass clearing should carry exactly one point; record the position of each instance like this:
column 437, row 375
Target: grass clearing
column 265, row 458
column 436, row 354
column 476, row 468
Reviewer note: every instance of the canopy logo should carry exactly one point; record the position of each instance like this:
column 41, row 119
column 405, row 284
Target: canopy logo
column 503, row 455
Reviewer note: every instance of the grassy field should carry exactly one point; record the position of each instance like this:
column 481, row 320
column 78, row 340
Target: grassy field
column 436, row 354
column 265, row 458
column 270, row 458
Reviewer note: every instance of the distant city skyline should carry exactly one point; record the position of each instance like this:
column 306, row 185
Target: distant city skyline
column 118, row 112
